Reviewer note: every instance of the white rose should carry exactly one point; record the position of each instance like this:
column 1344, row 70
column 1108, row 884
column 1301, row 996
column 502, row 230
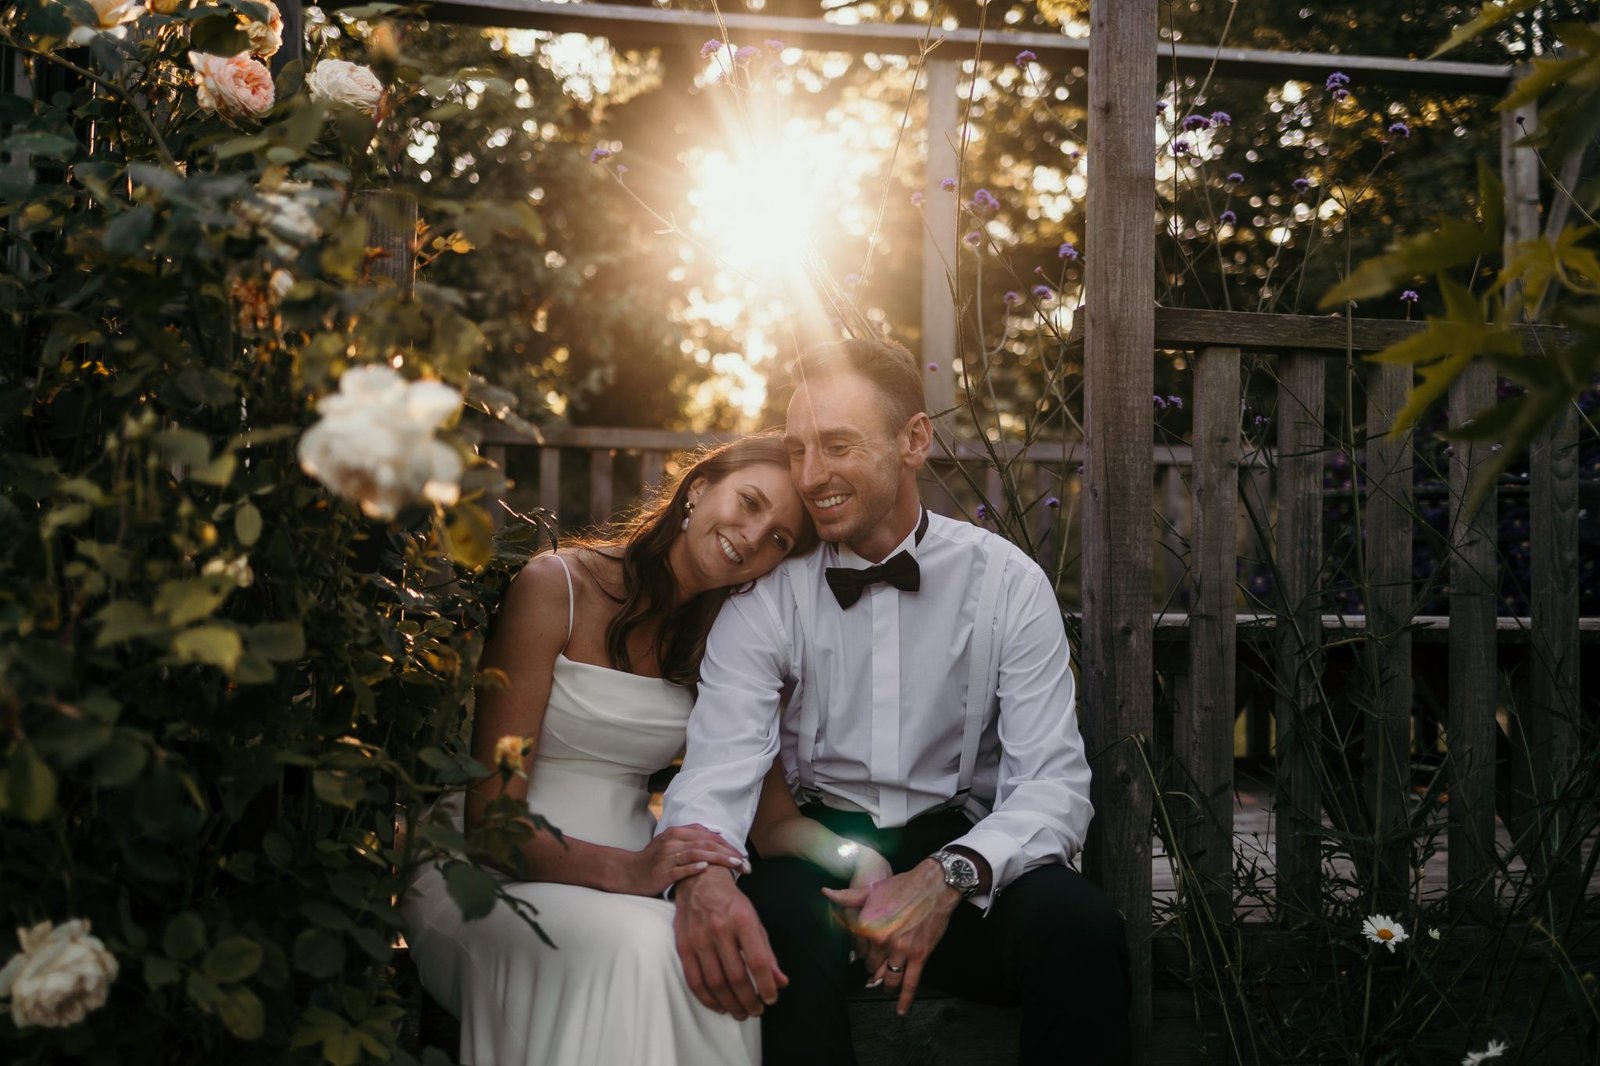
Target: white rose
column 59, row 976
column 374, row 443
column 234, row 87
column 265, row 37
column 280, row 282
column 336, row 81
column 286, row 213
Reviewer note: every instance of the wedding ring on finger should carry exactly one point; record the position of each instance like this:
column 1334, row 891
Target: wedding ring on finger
column 892, row 968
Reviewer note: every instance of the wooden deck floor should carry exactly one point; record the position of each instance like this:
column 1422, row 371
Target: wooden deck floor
column 1255, row 857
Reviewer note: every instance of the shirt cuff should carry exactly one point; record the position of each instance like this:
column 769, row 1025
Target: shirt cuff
column 1002, row 854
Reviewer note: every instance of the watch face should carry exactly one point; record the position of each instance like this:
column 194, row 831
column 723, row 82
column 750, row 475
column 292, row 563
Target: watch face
column 960, row 872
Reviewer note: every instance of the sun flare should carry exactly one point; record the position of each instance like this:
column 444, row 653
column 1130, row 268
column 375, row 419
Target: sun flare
column 759, row 209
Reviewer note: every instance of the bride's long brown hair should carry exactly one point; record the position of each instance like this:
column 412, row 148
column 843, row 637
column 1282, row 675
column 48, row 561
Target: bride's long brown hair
column 640, row 541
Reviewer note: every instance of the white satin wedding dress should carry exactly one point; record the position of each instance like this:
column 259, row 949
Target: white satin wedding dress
column 612, row 993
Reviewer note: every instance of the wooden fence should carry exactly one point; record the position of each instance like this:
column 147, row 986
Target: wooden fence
column 1197, row 648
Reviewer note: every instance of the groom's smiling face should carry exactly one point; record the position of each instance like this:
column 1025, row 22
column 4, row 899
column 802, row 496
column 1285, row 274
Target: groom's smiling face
column 849, row 463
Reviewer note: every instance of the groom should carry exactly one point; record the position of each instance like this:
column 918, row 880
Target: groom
column 931, row 717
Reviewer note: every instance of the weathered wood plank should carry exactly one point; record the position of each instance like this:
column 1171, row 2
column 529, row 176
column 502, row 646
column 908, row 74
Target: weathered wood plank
column 602, row 488
column 1204, row 729
column 1390, row 601
column 1172, row 557
column 550, row 483
column 1474, row 588
column 938, row 341
column 496, row 454
column 652, row 469
column 1182, row 327
column 652, row 26
column 1117, row 650
column 1302, row 379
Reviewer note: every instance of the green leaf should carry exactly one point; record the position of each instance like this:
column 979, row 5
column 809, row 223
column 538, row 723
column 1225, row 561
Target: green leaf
column 241, row 1011
column 472, row 888
column 278, row 850
column 188, row 601
column 216, row 645
column 122, row 620
column 27, row 786
column 1488, row 17
column 185, row 936
column 218, row 35
column 184, row 446
column 318, row 953
column 471, row 535
column 277, row 641
column 40, row 143
column 247, row 524
column 218, row 471
column 234, row 959
column 337, row 788
column 120, row 762
column 326, row 915
column 127, row 233
column 159, row 971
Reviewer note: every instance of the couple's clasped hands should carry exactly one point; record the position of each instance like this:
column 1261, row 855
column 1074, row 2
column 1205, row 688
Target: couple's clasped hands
column 680, row 852
column 897, row 920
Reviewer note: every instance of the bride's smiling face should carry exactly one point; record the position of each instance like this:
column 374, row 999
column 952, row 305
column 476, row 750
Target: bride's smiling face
column 740, row 528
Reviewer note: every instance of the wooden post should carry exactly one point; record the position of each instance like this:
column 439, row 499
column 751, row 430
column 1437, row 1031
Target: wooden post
column 1204, row 733
column 1390, row 601
column 1177, row 529
column 602, row 490
column 939, row 237
column 1552, row 727
column 1119, row 371
column 550, row 483
column 1301, row 445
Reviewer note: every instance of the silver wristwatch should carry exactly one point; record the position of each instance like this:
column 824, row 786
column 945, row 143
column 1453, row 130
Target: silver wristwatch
column 960, row 872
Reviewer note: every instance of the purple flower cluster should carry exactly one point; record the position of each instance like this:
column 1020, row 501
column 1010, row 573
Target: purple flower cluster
column 1221, row 118
column 1235, row 178
column 1025, row 57
column 1067, row 251
column 1302, row 184
column 1227, row 218
column 1180, row 147
column 773, row 45
column 1336, row 85
column 983, row 512
column 710, row 48
column 1195, row 122
column 600, row 155
column 972, row 238
column 1400, row 129
column 948, row 184
column 1012, row 299
column 1164, row 402
column 1053, row 502
column 745, row 53
column 917, row 198
column 1043, row 292
column 933, row 368
column 1409, row 296
column 983, row 204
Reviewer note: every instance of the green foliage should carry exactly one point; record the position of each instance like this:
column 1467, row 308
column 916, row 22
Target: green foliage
column 1552, row 277
column 219, row 683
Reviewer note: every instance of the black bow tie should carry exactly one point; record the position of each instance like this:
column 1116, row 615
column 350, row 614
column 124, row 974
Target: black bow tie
column 848, row 584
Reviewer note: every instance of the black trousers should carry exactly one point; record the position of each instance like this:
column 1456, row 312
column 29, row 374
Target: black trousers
column 1052, row 944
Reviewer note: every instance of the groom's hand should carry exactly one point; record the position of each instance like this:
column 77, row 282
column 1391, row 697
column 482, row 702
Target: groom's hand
column 724, row 950
column 899, row 923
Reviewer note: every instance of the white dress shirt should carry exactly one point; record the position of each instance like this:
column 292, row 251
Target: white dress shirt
column 885, row 683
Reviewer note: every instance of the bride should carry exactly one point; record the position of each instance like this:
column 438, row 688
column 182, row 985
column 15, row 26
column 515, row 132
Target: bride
column 600, row 645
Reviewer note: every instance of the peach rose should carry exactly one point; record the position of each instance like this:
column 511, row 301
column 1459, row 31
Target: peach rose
column 109, row 15
column 234, row 87
column 336, row 81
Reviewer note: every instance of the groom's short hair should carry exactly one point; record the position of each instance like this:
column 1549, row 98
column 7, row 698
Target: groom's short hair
column 887, row 365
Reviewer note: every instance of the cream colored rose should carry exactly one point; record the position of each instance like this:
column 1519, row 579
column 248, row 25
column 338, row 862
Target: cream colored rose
column 335, row 81
column 59, row 976
column 374, row 443
column 109, row 15
column 265, row 37
column 234, row 87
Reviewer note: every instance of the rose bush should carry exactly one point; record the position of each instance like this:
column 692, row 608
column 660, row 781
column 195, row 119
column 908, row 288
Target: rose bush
column 220, row 678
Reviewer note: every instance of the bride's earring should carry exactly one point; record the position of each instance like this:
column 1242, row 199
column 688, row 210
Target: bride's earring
column 688, row 509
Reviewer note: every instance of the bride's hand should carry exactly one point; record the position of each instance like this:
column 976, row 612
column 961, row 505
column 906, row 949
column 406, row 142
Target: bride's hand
column 679, row 852
column 870, row 868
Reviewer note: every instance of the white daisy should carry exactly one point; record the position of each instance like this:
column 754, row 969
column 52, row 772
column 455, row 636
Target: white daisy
column 1381, row 929
column 1495, row 1049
